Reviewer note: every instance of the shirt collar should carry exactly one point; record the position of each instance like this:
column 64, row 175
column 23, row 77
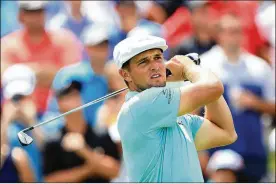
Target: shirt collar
column 130, row 94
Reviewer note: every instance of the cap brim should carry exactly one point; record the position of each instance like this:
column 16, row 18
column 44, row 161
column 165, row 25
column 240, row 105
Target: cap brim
column 66, row 89
column 19, row 87
column 163, row 48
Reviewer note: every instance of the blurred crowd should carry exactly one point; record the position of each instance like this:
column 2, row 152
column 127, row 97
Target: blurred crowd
column 57, row 55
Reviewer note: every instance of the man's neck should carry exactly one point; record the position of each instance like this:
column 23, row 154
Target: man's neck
column 75, row 124
column 36, row 36
column 98, row 67
column 76, row 14
column 232, row 55
column 129, row 23
column 203, row 37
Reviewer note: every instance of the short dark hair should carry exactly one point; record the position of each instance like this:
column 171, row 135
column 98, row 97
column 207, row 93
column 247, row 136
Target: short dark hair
column 126, row 65
column 74, row 85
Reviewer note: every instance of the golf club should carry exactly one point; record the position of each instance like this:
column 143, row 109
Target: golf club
column 25, row 139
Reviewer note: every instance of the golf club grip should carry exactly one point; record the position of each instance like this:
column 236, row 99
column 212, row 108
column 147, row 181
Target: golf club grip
column 197, row 62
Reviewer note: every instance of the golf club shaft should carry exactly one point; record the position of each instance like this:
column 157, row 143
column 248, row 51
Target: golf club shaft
column 78, row 108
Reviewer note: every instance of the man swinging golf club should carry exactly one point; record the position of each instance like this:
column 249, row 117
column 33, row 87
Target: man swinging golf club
column 160, row 139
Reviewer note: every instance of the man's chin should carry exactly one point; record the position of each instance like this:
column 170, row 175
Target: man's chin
column 163, row 84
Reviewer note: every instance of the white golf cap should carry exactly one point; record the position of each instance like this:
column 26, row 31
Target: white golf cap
column 95, row 34
column 131, row 46
column 18, row 79
column 225, row 159
column 32, row 5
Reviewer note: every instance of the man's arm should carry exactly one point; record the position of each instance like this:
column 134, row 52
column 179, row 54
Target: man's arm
column 100, row 164
column 76, row 174
column 251, row 101
column 72, row 48
column 22, row 164
column 105, row 166
column 206, row 89
column 53, row 172
column 217, row 128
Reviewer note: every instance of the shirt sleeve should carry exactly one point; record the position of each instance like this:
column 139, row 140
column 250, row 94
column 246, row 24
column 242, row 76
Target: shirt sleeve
column 194, row 122
column 72, row 48
column 156, row 107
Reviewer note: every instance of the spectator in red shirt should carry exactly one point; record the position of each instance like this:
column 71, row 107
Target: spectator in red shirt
column 253, row 42
column 45, row 51
column 201, row 39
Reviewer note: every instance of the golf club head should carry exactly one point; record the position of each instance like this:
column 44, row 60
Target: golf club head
column 24, row 138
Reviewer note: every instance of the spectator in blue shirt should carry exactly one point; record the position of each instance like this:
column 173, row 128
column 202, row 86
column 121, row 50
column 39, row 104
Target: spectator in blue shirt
column 249, row 92
column 129, row 18
column 71, row 17
column 90, row 73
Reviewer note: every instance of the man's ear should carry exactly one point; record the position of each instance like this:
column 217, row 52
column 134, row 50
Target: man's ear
column 20, row 16
column 125, row 74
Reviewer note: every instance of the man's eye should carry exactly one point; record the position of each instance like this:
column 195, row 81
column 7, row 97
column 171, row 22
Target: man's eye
column 142, row 62
column 157, row 57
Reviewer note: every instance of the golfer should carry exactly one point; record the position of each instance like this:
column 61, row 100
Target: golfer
column 160, row 139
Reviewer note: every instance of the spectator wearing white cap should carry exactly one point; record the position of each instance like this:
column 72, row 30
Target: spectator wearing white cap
column 19, row 111
column 45, row 51
column 160, row 139
column 224, row 165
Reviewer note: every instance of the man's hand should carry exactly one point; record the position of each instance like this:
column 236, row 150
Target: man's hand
column 27, row 111
column 178, row 65
column 73, row 142
column 99, row 163
column 247, row 100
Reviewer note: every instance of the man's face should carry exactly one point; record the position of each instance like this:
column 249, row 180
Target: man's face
column 230, row 35
column 146, row 70
column 125, row 10
column 34, row 20
column 69, row 101
column 200, row 17
column 98, row 52
column 128, row 16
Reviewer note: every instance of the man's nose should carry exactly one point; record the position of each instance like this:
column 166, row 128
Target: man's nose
column 155, row 66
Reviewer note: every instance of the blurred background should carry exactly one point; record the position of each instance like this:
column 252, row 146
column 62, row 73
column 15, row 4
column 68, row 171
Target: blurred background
column 59, row 55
